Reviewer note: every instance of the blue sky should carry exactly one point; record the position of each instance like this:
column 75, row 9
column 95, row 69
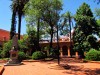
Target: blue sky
column 69, row 5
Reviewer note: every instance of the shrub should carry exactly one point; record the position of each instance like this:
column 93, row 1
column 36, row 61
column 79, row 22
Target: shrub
column 98, row 55
column 22, row 45
column 38, row 55
column 6, row 48
column 28, row 57
column 0, row 53
column 21, row 56
column 93, row 55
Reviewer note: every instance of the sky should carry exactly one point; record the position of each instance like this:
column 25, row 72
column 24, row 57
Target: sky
column 68, row 5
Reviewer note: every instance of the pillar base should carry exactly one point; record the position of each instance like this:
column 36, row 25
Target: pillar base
column 69, row 52
column 76, row 55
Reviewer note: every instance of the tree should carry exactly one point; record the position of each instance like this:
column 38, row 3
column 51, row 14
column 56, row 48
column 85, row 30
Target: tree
column 63, row 26
column 67, row 22
column 31, row 39
column 85, row 29
column 13, row 21
column 47, row 11
column 97, row 12
column 17, row 7
column 20, row 12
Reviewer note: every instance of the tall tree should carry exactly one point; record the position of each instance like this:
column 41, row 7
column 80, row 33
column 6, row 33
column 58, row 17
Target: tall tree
column 18, row 5
column 46, row 10
column 97, row 12
column 85, row 29
column 20, row 13
column 68, row 21
column 31, row 40
column 13, row 21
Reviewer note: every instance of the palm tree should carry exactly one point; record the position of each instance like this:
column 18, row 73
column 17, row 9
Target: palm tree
column 13, row 22
column 20, row 13
column 18, row 5
column 68, row 18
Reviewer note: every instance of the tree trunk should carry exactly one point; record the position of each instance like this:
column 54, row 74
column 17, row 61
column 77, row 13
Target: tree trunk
column 58, row 46
column 70, row 32
column 70, row 27
column 19, row 25
column 13, row 25
column 51, row 39
column 38, row 26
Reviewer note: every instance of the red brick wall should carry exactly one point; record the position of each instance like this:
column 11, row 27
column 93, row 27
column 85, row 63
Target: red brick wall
column 4, row 35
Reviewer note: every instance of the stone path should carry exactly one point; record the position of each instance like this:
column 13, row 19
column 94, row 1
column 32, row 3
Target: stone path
column 51, row 68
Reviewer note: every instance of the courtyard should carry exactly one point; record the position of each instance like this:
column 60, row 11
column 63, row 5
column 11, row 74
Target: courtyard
column 68, row 66
column 51, row 30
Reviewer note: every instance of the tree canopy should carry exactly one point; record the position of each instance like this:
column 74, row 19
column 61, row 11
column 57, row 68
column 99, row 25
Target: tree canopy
column 86, row 28
column 47, row 11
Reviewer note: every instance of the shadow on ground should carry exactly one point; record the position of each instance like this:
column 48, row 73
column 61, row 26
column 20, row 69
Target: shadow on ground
column 73, row 69
column 80, row 70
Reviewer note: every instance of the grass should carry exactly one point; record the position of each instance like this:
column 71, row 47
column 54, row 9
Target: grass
column 48, row 59
column 4, row 58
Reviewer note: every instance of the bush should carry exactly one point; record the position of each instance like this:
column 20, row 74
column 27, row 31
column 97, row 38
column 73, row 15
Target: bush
column 6, row 48
column 93, row 55
column 22, row 45
column 28, row 57
column 38, row 55
column 21, row 56
column 98, row 55
column 0, row 53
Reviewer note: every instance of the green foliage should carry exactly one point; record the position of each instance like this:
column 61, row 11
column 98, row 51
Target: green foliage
column 47, row 11
column 6, row 48
column 32, row 38
column 39, row 8
column 93, row 55
column 98, row 22
column 21, row 55
column 17, row 6
column 0, row 53
column 54, row 52
column 22, row 45
column 13, row 24
column 97, row 12
column 65, row 26
column 85, row 29
column 38, row 55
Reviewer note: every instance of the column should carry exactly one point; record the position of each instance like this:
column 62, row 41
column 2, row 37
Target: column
column 69, row 52
column 61, row 52
column 76, row 54
column 84, row 53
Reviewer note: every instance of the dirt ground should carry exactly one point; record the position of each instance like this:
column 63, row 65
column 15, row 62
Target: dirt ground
column 66, row 67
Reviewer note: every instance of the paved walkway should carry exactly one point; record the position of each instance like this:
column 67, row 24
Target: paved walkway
column 51, row 68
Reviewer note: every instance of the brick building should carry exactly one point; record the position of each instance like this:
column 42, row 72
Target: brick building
column 4, row 36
